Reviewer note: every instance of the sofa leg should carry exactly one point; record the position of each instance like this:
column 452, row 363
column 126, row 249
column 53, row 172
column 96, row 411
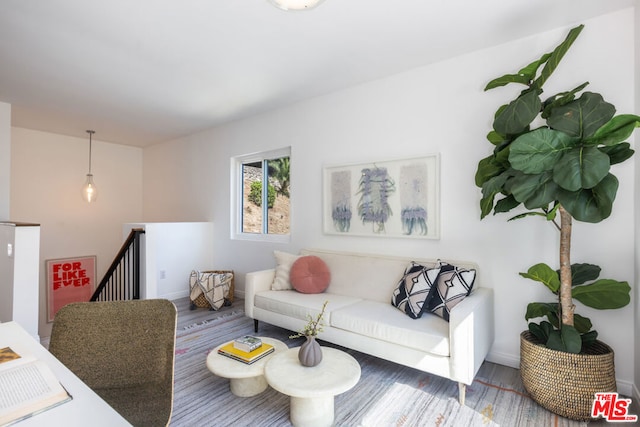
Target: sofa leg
column 462, row 387
column 255, row 325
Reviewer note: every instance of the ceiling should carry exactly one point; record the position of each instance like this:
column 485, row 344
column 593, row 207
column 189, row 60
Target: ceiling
column 146, row 71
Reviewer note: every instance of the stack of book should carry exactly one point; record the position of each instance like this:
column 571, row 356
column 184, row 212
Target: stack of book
column 246, row 349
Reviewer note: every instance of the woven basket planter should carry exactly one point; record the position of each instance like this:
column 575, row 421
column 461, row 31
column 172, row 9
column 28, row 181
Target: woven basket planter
column 565, row 383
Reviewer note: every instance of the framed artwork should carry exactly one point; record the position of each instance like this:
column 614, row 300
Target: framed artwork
column 391, row 198
column 69, row 280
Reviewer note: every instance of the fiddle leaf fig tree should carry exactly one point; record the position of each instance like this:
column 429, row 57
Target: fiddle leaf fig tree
column 554, row 156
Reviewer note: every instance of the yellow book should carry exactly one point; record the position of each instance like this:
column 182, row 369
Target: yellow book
column 229, row 350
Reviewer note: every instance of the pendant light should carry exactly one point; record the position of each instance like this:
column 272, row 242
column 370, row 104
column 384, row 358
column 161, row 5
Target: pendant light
column 295, row 4
column 89, row 191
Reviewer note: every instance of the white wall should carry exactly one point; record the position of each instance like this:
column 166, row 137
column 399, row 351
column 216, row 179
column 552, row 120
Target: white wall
column 47, row 174
column 171, row 252
column 5, row 159
column 440, row 108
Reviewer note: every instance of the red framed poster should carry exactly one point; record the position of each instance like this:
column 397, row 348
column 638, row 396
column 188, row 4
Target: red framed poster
column 69, row 280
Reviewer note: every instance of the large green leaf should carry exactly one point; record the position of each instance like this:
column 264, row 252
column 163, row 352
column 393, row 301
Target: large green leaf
column 540, row 309
column 557, row 55
column 490, row 189
column 581, row 323
column 539, row 150
column 591, row 205
column 544, row 274
column 495, row 138
column 524, row 76
column 550, row 311
column 506, row 204
column 531, row 69
column 582, row 273
column 567, row 339
column 615, row 130
column 506, row 79
column 559, row 99
column 487, row 169
column 501, row 153
column 618, row 153
column 582, row 117
column 538, row 332
column 582, row 167
column 535, row 191
column 589, row 339
column 603, row 294
column 518, row 114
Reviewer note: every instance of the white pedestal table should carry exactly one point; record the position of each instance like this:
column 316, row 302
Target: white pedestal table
column 312, row 389
column 244, row 380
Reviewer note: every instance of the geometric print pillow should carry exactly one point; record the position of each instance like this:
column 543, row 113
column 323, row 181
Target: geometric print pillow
column 452, row 286
column 413, row 289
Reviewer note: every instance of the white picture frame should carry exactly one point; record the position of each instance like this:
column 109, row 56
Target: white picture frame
column 389, row 198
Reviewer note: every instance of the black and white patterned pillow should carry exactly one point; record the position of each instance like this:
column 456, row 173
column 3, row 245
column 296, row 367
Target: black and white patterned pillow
column 452, row 286
column 413, row 289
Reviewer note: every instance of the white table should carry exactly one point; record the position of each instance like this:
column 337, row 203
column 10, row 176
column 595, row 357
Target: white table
column 244, row 380
column 86, row 407
column 312, row 389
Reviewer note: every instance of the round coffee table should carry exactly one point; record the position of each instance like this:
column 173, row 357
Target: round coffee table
column 244, row 380
column 312, row 389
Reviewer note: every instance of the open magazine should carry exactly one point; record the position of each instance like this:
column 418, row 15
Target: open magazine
column 27, row 387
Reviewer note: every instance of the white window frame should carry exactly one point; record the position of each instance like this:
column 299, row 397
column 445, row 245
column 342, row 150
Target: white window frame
column 237, row 199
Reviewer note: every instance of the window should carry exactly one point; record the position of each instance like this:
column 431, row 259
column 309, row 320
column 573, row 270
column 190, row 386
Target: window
column 252, row 219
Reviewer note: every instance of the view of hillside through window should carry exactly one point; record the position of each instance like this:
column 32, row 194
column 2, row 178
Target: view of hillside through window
column 277, row 174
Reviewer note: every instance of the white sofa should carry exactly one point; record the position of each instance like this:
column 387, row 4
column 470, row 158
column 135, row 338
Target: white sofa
column 360, row 315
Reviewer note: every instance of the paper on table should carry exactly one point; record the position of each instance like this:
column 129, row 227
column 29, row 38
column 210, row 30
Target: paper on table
column 27, row 387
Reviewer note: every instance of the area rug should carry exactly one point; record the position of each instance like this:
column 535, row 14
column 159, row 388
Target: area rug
column 387, row 394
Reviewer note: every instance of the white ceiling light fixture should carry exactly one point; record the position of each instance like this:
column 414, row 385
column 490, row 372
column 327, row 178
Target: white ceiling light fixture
column 89, row 190
column 295, row 4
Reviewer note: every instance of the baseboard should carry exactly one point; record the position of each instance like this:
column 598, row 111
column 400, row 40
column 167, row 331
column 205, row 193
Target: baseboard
column 504, row 359
column 636, row 395
column 174, row 295
column 624, row 387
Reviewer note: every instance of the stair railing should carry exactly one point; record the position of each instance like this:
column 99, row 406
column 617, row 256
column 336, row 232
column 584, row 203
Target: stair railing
column 122, row 279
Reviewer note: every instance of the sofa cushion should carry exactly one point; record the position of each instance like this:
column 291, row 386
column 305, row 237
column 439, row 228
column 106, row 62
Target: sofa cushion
column 413, row 289
column 310, row 275
column 284, row 261
column 362, row 275
column 298, row 305
column 452, row 286
column 383, row 321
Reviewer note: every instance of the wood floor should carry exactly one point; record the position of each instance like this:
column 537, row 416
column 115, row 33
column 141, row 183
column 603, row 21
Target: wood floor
column 187, row 317
column 500, row 374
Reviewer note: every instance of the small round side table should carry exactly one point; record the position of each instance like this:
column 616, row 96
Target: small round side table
column 312, row 389
column 244, row 380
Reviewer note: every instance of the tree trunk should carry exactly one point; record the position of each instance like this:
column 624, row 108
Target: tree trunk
column 566, row 302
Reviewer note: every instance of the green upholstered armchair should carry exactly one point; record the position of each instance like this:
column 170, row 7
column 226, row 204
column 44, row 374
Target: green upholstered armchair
column 124, row 351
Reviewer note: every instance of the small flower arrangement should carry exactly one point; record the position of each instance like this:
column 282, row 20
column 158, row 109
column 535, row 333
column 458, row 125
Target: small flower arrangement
column 314, row 326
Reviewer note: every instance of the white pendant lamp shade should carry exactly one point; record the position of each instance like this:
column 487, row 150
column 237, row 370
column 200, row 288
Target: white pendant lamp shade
column 89, row 190
column 295, row 4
